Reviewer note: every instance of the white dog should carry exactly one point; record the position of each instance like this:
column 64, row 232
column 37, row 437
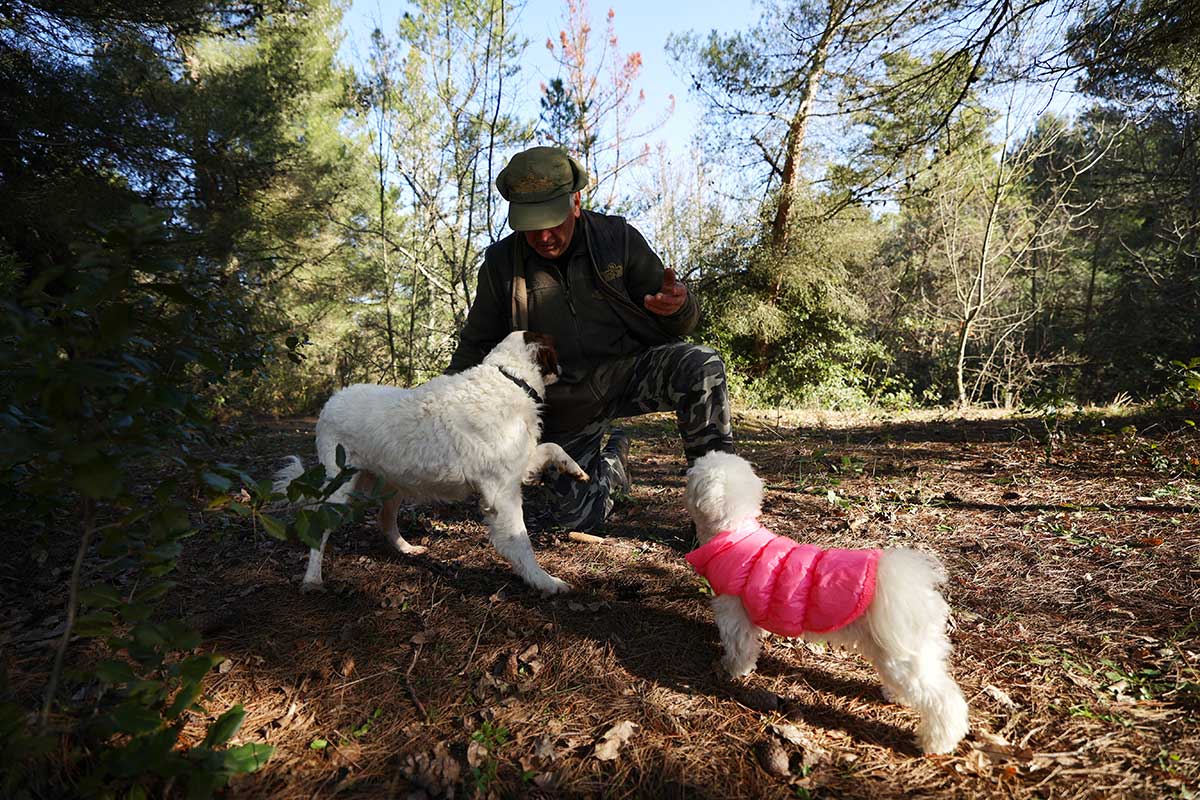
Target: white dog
column 473, row 433
column 883, row 604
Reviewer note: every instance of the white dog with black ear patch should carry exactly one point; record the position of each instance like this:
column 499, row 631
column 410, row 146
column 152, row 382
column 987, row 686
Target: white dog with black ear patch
column 884, row 604
column 472, row 433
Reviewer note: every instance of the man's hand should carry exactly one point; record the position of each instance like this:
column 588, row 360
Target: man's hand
column 670, row 297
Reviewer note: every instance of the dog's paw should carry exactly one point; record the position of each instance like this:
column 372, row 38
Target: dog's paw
column 939, row 742
column 312, row 587
column 404, row 548
column 552, row 586
column 580, row 476
column 736, row 668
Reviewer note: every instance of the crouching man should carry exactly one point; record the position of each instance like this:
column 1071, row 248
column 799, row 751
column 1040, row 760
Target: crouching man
column 617, row 317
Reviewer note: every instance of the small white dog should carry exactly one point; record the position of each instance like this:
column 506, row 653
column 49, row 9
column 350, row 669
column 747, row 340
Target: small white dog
column 473, row 433
column 884, row 604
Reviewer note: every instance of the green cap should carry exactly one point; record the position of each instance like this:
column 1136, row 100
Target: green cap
column 538, row 184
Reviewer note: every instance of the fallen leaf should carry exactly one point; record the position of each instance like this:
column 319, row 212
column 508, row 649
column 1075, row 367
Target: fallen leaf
column 613, row 739
column 545, row 749
column 422, row 637
column 1044, row 760
column 999, row 695
column 476, row 753
column 975, row 762
column 772, row 757
column 438, row 771
column 811, row 753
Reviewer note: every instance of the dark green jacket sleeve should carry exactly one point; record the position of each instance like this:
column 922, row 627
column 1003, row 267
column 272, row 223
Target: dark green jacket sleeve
column 487, row 322
column 644, row 275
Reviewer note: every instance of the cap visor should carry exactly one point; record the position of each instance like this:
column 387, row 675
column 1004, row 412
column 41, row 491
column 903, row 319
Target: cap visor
column 539, row 216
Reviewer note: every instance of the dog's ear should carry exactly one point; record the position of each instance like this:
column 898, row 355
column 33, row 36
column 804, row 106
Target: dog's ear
column 546, row 354
column 705, row 497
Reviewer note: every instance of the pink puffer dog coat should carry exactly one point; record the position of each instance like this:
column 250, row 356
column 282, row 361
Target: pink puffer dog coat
column 786, row 587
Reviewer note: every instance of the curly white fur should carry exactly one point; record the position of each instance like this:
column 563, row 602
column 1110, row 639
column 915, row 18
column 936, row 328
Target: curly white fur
column 902, row 633
column 473, row 433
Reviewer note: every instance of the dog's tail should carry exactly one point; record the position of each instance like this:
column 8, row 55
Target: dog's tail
column 283, row 478
column 908, row 608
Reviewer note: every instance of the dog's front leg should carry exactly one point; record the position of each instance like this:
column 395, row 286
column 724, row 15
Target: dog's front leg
column 549, row 454
column 506, row 522
column 741, row 639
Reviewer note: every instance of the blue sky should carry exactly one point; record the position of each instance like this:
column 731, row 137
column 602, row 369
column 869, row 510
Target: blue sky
column 641, row 26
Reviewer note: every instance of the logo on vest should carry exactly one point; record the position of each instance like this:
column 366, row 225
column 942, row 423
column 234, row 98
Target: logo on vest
column 612, row 272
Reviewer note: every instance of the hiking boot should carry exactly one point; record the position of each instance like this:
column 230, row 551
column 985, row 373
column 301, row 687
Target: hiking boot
column 618, row 451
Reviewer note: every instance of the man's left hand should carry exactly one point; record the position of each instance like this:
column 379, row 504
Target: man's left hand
column 670, row 298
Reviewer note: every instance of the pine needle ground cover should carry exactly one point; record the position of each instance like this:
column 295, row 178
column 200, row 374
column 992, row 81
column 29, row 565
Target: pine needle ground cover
column 1073, row 549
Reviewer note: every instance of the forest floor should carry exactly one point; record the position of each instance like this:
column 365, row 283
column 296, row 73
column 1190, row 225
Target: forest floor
column 1074, row 562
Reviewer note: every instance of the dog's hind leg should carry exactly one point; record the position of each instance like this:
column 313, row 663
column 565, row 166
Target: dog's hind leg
column 741, row 639
column 919, row 679
column 388, row 526
column 312, row 575
column 506, row 522
column 549, row 454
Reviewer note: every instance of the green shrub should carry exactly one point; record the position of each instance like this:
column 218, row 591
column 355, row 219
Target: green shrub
column 103, row 364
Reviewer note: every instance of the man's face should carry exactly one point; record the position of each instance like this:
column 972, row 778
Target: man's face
column 553, row 242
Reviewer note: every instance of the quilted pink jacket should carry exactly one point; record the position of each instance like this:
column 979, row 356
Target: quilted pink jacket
column 786, row 587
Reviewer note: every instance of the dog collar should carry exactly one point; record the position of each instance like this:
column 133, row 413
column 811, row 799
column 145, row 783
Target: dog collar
column 534, row 396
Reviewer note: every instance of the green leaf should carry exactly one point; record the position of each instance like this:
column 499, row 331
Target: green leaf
column 155, row 591
column 168, row 552
column 149, row 635
column 218, row 482
column 248, row 757
column 99, row 479
column 100, row 595
column 318, row 744
column 137, row 612
column 273, row 527
column 114, row 672
column 194, row 668
column 98, row 623
column 303, row 523
column 135, row 719
column 225, row 727
column 184, row 698
column 310, row 532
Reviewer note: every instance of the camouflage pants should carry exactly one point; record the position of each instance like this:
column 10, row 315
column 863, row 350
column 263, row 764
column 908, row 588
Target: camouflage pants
column 685, row 378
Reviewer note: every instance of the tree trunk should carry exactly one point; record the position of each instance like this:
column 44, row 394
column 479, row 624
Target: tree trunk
column 971, row 312
column 798, row 128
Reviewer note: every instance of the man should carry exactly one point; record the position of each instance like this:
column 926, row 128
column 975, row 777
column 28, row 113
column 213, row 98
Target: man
column 593, row 283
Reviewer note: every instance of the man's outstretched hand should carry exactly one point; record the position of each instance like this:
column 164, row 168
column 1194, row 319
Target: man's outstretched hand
column 670, row 297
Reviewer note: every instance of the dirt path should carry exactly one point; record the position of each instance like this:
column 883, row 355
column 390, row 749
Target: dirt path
column 1073, row 587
